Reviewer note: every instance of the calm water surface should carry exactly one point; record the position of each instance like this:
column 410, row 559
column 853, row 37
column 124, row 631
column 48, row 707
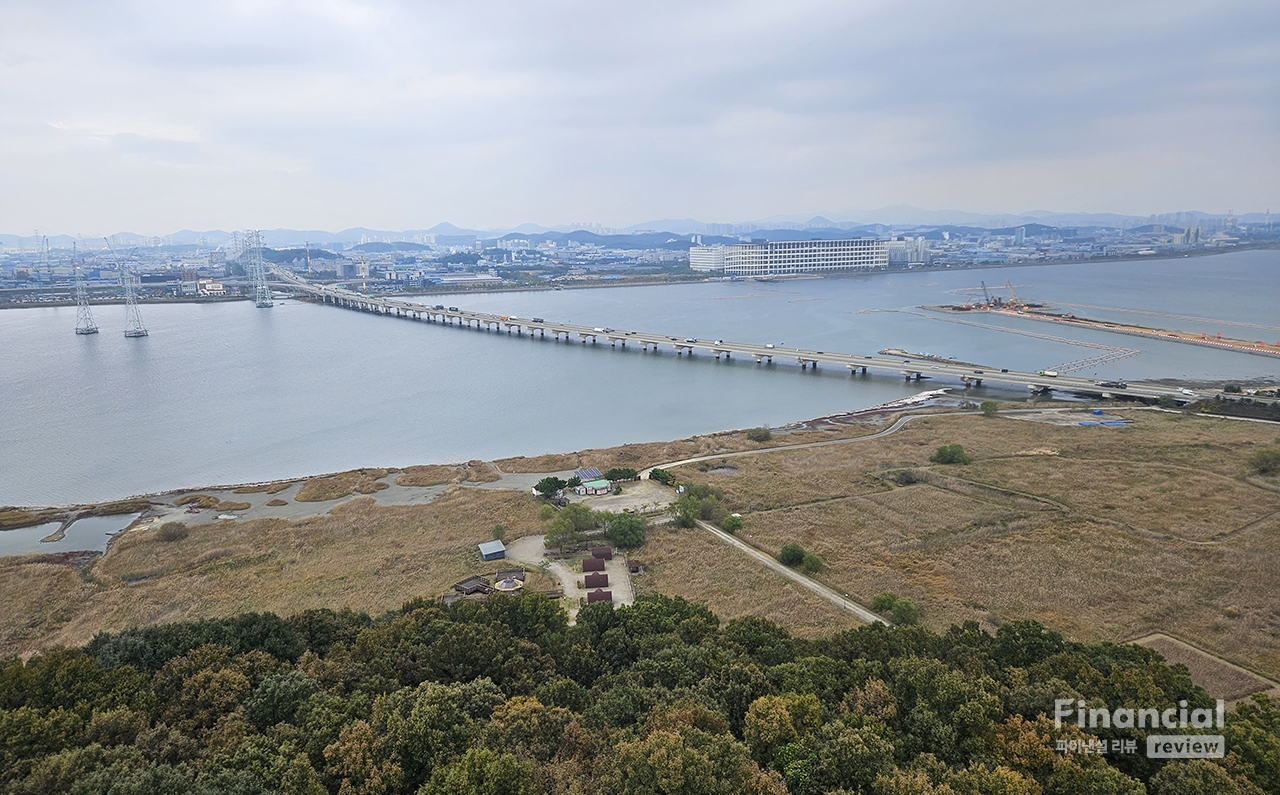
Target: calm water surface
column 227, row 393
column 88, row 534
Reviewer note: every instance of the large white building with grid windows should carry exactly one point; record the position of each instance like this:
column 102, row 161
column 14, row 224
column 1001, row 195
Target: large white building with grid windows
column 791, row 256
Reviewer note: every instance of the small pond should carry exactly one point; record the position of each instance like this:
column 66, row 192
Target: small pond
column 88, row 534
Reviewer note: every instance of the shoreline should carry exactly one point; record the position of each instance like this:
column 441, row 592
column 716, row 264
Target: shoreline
column 924, row 400
column 536, row 288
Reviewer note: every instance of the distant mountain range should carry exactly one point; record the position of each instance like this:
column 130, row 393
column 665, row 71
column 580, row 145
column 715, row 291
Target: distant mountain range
column 651, row 234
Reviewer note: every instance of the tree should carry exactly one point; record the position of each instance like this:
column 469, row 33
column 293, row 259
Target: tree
column 500, row 532
column 883, row 602
column 759, row 434
column 1167, row 402
column 949, row 454
column 687, row 510
column 731, row 523
column 550, row 485
column 482, row 772
column 573, row 482
column 791, row 555
column 1265, row 462
column 546, row 513
column 989, row 408
column 621, row 473
column 811, row 563
column 1232, row 389
column 562, row 535
column 905, row 612
column 626, row 530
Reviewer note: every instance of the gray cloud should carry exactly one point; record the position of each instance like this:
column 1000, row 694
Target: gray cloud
column 334, row 113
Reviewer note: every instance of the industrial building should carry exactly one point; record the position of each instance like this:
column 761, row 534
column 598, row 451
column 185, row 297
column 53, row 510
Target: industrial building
column 768, row 258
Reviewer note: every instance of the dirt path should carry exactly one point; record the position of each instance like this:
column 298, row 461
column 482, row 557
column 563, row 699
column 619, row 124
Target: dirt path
column 896, row 426
column 832, row 596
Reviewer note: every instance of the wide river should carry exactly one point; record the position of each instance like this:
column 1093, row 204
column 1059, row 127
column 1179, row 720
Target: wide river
column 227, row 393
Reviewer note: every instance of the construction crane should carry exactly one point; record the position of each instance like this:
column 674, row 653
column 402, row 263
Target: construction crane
column 1017, row 302
column 986, row 294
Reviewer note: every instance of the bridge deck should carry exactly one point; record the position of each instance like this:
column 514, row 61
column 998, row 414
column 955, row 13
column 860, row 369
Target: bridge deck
column 910, row 369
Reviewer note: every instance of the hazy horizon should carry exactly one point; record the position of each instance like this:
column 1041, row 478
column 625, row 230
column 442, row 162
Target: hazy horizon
column 155, row 117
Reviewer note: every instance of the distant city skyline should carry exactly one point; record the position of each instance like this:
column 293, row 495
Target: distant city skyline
column 154, row 117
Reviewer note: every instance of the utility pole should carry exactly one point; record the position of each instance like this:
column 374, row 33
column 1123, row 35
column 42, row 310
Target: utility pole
column 84, row 316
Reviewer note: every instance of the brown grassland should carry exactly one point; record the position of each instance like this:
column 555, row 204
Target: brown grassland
column 209, row 501
column 266, row 488
column 1128, row 531
column 693, row 564
column 361, row 555
column 645, row 454
column 333, row 487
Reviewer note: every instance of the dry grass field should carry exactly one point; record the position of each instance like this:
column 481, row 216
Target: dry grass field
column 1119, row 535
column 362, row 556
column 692, row 564
column 1226, row 681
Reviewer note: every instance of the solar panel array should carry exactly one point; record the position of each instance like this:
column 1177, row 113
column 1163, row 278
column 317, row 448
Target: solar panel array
column 588, row 474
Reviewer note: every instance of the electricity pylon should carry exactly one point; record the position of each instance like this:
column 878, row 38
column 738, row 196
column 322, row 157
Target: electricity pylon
column 132, row 318
column 84, row 315
column 257, row 269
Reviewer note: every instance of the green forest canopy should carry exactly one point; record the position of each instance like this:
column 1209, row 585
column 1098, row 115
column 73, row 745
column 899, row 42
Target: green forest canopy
column 503, row 696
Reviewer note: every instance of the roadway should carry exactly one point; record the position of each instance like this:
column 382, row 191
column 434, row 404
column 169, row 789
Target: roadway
column 907, row 368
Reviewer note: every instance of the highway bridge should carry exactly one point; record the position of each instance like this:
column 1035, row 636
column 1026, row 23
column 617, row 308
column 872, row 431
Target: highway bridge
column 907, row 368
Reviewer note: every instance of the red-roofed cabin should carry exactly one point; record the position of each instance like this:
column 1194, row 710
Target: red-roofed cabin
column 596, row 579
column 600, row 596
column 593, row 564
column 604, row 553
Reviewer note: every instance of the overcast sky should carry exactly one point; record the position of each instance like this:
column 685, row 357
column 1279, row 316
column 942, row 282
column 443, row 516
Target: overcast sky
column 156, row 116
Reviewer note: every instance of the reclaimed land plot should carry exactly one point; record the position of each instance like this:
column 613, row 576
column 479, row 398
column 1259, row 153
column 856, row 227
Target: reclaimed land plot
column 1012, row 537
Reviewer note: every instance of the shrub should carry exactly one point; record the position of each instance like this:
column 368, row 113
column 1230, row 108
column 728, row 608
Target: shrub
column 791, row 555
column 1232, row 389
column 906, row 477
column 172, row 531
column 662, row 476
column 731, row 523
column 500, row 532
column 1265, row 462
column 811, row 563
column 759, row 434
column 546, row 513
column 989, row 408
column 905, row 612
column 621, row 473
column 883, row 602
column 949, row 454
column 1167, row 402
